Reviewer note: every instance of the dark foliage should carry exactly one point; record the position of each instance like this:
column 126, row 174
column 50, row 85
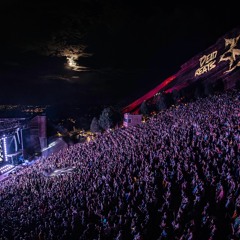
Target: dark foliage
column 144, row 108
column 109, row 118
column 95, row 127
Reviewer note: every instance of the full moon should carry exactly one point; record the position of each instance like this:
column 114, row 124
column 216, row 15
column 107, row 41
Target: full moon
column 71, row 60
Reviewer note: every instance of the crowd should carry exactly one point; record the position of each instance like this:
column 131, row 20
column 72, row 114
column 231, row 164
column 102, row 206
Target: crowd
column 176, row 176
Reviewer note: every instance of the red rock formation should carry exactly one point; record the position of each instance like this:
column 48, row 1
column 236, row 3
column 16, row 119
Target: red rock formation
column 219, row 63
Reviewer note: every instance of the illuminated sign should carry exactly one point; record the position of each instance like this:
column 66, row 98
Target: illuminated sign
column 232, row 54
column 207, row 63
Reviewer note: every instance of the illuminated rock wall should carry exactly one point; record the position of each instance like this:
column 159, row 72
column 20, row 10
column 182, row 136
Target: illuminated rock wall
column 218, row 63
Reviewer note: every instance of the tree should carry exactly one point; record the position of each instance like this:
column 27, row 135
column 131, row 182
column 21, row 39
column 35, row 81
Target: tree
column 109, row 118
column 95, row 127
column 161, row 103
column 219, row 86
column 198, row 90
column 237, row 84
column 176, row 96
column 208, row 89
column 144, row 109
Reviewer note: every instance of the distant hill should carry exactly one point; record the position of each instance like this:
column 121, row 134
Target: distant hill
column 217, row 65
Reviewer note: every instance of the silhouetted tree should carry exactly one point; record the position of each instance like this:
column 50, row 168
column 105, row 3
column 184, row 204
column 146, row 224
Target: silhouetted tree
column 144, row 109
column 169, row 99
column 208, row 89
column 161, row 103
column 95, row 127
column 184, row 95
column 199, row 90
column 109, row 118
column 219, row 86
column 237, row 85
column 176, row 96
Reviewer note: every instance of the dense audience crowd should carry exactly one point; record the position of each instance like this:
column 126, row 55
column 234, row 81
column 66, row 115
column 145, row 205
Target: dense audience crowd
column 176, row 176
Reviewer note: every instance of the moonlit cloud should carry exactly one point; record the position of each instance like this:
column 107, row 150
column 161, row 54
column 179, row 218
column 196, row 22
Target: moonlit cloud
column 72, row 53
column 63, row 39
column 67, row 43
column 68, row 79
column 72, row 57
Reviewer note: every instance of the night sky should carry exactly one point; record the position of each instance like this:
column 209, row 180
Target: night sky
column 100, row 52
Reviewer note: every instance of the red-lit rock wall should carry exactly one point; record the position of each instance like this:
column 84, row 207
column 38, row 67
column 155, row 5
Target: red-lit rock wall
column 220, row 62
